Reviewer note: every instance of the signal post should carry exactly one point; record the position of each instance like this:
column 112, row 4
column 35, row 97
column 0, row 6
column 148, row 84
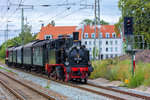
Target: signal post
column 132, row 40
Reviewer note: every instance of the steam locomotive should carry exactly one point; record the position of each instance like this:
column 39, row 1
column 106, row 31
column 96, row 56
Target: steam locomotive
column 63, row 58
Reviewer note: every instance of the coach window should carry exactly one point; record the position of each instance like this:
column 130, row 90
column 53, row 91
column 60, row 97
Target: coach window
column 53, row 46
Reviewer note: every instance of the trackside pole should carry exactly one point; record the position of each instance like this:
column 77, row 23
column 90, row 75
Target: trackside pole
column 133, row 63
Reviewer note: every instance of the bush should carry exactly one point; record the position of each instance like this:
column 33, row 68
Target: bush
column 111, row 69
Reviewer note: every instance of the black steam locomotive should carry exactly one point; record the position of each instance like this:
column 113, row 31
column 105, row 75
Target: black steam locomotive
column 63, row 58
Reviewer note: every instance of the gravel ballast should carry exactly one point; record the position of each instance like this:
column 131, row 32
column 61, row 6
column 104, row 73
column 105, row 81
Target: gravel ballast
column 70, row 92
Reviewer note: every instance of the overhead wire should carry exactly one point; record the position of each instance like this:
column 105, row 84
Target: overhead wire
column 11, row 14
column 60, row 12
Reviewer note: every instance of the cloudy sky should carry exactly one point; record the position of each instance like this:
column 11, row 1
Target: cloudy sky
column 63, row 12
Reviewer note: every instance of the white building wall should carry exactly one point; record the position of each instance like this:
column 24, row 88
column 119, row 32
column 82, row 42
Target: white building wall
column 111, row 54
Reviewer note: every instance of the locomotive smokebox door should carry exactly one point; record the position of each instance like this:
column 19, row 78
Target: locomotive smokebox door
column 75, row 36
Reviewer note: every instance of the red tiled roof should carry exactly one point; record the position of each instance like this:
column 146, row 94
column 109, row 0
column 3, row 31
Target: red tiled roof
column 56, row 30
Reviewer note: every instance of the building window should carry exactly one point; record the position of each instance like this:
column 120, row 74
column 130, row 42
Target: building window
column 101, row 49
column 90, row 49
column 106, row 49
column 48, row 37
column 116, row 55
column 100, row 35
column 111, row 42
column 100, row 42
column 93, row 35
column 85, row 42
column 111, row 55
column 106, row 56
column 94, row 42
column 111, row 49
column 86, row 35
column 116, row 42
column 107, row 35
column 89, row 42
column 116, row 49
column 106, row 42
column 113, row 34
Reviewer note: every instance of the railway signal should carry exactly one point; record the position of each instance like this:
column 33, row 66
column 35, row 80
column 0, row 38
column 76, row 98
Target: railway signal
column 128, row 25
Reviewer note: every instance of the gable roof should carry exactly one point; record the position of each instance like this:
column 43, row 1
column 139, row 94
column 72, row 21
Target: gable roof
column 63, row 30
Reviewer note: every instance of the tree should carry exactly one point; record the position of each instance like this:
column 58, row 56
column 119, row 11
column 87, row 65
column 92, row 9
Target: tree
column 16, row 41
column 140, row 11
column 28, row 36
column 91, row 22
column 52, row 23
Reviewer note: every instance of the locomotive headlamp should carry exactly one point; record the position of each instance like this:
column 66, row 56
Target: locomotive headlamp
column 67, row 63
column 78, row 47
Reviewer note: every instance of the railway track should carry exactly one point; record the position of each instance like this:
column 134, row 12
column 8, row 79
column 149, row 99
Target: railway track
column 21, row 90
column 100, row 90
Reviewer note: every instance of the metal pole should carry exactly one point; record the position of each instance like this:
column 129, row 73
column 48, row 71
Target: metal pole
column 99, row 30
column 22, row 26
column 7, row 35
column 95, row 33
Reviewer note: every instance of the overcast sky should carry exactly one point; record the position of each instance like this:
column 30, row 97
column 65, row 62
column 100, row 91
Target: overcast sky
column 63, row 12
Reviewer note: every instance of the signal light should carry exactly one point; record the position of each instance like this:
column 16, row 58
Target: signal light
column 128, row 25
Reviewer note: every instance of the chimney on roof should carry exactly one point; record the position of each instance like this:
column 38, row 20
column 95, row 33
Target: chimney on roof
column 75, row 36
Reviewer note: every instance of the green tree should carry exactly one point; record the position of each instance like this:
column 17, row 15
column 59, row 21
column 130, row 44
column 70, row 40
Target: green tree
column 91, row 22
column 27, row 35
column 140, row 11
column 16, row 41
column 52, row 23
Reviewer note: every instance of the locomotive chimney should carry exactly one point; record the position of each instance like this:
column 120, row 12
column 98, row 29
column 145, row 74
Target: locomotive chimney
column 75, row 36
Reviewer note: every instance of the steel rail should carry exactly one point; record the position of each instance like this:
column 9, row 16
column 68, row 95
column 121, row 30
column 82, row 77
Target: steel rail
column 119, row 91
column 93, row 91
column 35, row 90
column 12, row 90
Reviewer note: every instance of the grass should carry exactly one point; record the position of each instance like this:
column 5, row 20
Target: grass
column 7, row 70
column 2, row 61
column 112, row 69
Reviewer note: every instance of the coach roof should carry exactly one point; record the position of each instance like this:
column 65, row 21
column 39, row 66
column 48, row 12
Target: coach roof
column 11, row 48
column 18, row 48
column 29, row 45
column 40, row 43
